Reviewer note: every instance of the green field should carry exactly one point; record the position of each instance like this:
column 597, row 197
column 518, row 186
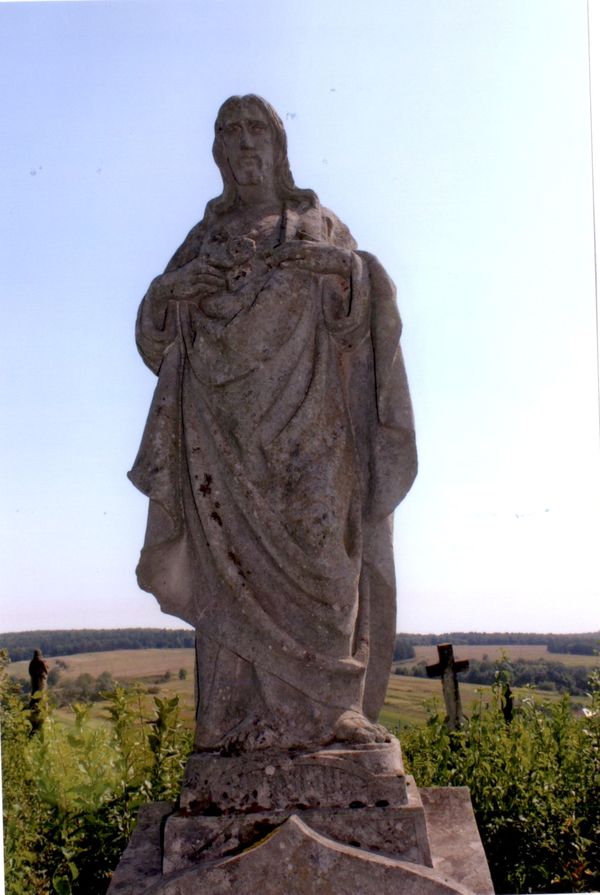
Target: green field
column 408, row 698
column 530, row 651
column 406, row 701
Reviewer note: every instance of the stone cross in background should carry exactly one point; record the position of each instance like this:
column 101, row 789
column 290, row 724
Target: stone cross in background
column 447, row 668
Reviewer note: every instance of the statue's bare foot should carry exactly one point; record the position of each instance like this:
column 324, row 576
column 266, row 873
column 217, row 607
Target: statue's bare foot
column 352, row 727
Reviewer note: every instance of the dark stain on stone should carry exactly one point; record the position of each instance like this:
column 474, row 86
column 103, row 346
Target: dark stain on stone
column 214, row 515
column 205, row 488
column 212, row 810
column 236, row 561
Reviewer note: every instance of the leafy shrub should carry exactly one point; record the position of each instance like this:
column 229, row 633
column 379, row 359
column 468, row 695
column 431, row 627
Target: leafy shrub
column 84, row 688
column 534, row 783
column 71, row 794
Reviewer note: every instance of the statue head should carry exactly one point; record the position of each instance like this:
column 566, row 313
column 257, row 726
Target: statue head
column 254, row 107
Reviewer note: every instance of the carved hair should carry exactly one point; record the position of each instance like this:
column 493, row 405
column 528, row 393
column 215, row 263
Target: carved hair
column 284, row 182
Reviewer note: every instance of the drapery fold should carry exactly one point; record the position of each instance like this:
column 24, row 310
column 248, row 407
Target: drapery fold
column 279, row 441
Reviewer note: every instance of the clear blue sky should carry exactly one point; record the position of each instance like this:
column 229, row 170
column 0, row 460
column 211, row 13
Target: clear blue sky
column 452, row 137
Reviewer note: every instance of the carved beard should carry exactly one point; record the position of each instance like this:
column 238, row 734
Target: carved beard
column 250, row 174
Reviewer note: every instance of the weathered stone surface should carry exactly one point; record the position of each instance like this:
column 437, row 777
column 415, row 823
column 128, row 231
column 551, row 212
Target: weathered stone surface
column 396, row 830
column 335, row 777
column 279, row 441
column 455, row 841
column 456, row 851
column 357, row 795
column 295, row 860
column 141, row 864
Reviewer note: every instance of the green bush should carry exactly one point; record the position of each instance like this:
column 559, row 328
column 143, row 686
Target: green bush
column 71, row 794
column 534, row 783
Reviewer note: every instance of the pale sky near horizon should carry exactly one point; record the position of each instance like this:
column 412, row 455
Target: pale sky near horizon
column 454, row 140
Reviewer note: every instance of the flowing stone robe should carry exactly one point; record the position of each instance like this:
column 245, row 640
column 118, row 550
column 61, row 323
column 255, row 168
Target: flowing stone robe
column 279, row 441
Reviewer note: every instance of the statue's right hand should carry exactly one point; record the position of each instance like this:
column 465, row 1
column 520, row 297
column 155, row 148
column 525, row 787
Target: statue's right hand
column 191, row 283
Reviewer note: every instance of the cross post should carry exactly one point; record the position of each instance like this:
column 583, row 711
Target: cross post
column 447, row 668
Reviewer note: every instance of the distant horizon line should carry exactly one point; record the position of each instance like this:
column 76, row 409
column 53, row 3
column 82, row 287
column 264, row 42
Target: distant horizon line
column 404, row 633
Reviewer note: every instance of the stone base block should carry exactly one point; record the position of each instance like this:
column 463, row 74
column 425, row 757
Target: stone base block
column 333, row 777
column 294, row 860
column 339, row 821
column 454, row 838
column 397, row 831
column 141, row 863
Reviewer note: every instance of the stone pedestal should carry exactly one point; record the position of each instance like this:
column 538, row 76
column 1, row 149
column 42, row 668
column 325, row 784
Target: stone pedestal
column 336, row 821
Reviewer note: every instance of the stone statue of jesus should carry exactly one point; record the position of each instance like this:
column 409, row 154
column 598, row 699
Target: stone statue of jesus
column 279, row 441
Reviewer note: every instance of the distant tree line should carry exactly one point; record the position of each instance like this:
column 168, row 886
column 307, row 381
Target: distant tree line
column 404, row 647
column 583, row 645
column 579, row 644
column 21, row 645
column 538, row 673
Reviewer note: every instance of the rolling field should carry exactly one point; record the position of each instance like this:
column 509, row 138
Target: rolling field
column 126, row 666
column 149, row 663
column 406, row 700
column 123, row 664
column 530, row 651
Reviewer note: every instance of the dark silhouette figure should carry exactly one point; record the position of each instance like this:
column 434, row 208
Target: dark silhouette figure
column 507, row 702
column 38, row 672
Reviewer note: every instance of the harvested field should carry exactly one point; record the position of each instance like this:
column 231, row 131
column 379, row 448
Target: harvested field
column 122, row 664
column 530, row 651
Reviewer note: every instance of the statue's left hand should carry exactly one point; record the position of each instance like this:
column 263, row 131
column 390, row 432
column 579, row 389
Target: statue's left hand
column 318, row 257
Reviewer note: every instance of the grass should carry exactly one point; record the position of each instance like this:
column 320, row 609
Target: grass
column 407, row 699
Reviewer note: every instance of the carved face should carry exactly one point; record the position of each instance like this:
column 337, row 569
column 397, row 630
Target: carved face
column 248, row 143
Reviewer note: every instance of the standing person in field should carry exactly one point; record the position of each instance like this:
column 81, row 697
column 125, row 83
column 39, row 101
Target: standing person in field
column 279, row 441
